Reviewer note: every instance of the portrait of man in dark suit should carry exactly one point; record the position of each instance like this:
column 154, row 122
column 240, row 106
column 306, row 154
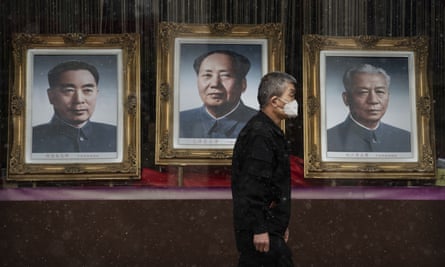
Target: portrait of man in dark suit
column 73, row 92
column 367, row 95
column 221, row 80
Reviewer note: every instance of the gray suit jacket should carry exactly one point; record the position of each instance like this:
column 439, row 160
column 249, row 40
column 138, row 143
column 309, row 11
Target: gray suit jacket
column 59, row 137
column 350, row 137
column 197, row 123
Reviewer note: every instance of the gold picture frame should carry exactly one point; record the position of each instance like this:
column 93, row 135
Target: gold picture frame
column 179, row 45
column 325, row 60
column 33, row 154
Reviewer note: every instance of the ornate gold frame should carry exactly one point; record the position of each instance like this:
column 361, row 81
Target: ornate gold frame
column 316, row 165
column 166, row 151
column 127, row 164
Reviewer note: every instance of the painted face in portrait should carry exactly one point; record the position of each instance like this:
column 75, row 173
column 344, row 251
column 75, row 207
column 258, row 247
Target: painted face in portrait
column 219, row 87
column 367, row 98
column 74, row 96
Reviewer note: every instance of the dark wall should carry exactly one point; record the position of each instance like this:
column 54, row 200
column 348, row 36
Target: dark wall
column 199, row 233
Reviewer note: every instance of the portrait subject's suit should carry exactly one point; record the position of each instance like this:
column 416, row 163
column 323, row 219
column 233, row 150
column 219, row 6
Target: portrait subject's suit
column 59, row 137
column 197, row 123
column 348, row 136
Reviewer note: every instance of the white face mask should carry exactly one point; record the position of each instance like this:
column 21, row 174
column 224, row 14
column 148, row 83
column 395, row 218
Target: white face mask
column 291, row 108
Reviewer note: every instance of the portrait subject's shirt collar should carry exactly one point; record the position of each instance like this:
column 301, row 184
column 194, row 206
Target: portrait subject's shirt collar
column 225, row 115
column 371, row 136
column 60, row 120
column 68, row 130
column 221, row 127
column 363, row 126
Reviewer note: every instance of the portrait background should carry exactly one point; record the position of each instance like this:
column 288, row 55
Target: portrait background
column 107, row 101
column 399, row 109
column 188, row 91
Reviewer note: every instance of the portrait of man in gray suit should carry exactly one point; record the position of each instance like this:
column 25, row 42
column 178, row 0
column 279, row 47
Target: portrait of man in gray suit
column 73, row 92
column 221, row 80
column 367, row 95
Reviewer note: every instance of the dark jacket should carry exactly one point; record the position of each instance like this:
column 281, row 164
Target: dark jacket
column 197, row 123
column 261, row 178
column 59, row 137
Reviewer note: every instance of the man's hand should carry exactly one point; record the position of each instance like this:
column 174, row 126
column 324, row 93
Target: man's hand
column 261, row 242
column 286, row 235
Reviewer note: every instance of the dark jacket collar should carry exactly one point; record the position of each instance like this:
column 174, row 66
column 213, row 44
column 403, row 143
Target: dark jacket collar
column 73, row 132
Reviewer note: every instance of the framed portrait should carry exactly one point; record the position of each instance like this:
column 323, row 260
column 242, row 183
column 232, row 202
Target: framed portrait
column 74, row 107
column 368, row 109
column 207, row 84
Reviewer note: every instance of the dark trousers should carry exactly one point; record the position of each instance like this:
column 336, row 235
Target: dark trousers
column 279, row 254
